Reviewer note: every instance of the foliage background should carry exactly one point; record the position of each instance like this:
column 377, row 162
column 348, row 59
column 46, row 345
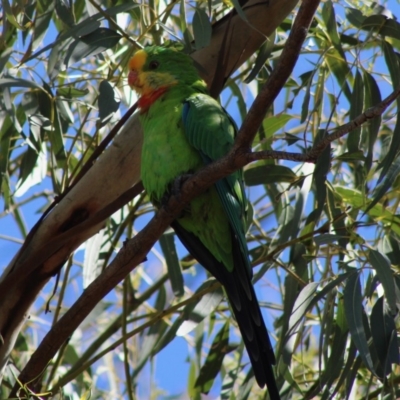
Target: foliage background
column 324, row 238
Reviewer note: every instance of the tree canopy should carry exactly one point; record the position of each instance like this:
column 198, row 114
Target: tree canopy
column 98, row 299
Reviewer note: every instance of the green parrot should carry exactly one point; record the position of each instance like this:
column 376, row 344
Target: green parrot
column 184, row 128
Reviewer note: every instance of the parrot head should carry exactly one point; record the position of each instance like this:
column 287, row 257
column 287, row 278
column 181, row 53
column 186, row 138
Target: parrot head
column 155, row 69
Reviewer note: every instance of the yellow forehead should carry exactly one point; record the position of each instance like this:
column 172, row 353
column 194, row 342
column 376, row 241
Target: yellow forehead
column 138, row 60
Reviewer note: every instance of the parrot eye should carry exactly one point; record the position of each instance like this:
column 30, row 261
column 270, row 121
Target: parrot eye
column 153, row 64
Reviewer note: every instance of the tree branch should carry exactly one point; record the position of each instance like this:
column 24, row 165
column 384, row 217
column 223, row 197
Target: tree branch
column 370, row 113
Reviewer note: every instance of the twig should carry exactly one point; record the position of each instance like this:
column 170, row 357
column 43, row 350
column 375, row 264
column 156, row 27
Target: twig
column 370, row 113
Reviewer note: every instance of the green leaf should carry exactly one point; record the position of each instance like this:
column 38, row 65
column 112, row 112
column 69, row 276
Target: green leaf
column 320, row 173
column 52, row 128
column 239, row 9
column 357, row 155
column 382, row 328
column 381, row 265
column 392, row 173
column 10, row 82
column 70, row 92
column 328, row 15
column 65, row 12
column 173, row 266
column 201, row 29
column 378, row 212
column 339, row 67
column 356, row 108
column 383, row 25
column 263, row 53
column 147, row 347
column 10, row 15
column 372, row 97
column 86, row 26
column 92, row 268
column 273, row 123
column 326, row 238
column 187, row 315
column 353, row 311
column 392, row 62
column 213, row 362
column 308, row 77
column 338, row 343
column 391, row 248
column 355, row 17
column 29, row 159
column 108, row 105
column 301, row 306
column 270, row 173
column 6, row 131
column 207, row 304
column 91, row 44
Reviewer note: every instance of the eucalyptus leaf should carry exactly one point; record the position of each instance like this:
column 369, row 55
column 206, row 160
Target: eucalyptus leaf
column 353, row 311
column 214, row 359
column 201, row 29
column 381, row 265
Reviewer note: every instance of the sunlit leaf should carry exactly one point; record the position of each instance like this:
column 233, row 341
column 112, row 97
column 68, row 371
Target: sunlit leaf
column 214, row 360
column 381, row 265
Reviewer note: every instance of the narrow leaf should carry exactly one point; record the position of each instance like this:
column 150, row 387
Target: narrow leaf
column 353, row 310
column 392, row 62
column 107, row 102
column 89, row 45
column 301, row 305
column 370, row 131
column 173, row 266
column 91, row 265
column 382, row 328
column 207, row 304
column 381, row 265
column 262, row 56
column 356, row 108
column 213, row 362
column 265, row 174
column 201, row 29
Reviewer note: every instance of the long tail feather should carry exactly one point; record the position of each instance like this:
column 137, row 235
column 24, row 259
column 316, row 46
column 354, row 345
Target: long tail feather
column 244, row 303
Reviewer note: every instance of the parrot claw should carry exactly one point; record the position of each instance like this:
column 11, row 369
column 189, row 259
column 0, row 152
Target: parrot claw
column 175, row 189
column 178, row 183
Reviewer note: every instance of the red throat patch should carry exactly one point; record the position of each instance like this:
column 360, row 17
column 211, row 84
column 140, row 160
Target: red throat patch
column 147, row 100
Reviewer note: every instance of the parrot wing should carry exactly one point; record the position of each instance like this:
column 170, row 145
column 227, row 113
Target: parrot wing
column 211, row 131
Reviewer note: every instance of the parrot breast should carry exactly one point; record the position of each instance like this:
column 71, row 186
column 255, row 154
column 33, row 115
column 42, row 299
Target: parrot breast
column 166, row 153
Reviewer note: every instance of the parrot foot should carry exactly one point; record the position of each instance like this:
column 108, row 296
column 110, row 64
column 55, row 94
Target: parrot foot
column 174, row 189
column 178, row 183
